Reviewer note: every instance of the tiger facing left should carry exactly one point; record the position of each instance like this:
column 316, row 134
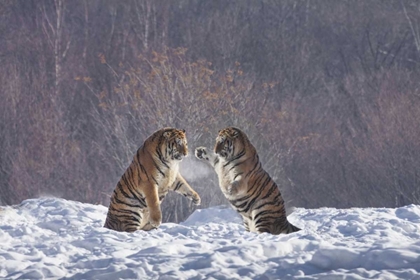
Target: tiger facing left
column 246, row 185
column 154, row 170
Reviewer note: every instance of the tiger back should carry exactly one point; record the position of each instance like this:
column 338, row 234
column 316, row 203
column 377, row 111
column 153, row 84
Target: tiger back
column 247, row 186
column 154, row 170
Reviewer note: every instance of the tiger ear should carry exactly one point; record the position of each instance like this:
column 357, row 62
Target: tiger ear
column 183, row 130
column 167, row 134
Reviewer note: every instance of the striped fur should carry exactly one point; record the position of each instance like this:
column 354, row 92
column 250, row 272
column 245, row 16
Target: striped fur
column 248, row 187
column 135, row 202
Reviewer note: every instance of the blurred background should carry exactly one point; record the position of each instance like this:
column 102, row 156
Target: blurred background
column 327, row 91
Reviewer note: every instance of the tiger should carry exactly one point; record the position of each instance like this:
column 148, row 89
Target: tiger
column 154, row 170
column 246, row 185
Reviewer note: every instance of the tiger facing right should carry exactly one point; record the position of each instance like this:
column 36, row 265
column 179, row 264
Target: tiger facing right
column 154, row 171
column 248, row 187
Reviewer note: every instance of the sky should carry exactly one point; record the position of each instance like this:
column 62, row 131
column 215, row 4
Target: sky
column 54, row 238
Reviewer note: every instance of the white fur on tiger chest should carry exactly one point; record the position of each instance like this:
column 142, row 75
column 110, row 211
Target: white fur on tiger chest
column 170, row 176
column 226, row 177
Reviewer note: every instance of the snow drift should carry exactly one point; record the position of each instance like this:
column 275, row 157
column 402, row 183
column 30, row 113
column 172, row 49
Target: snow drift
column 57, row 238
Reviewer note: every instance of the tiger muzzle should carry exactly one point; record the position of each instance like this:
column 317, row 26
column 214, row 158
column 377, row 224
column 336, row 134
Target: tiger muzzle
column 222, row 150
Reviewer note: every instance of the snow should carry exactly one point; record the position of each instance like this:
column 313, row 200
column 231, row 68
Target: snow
column 61, row 239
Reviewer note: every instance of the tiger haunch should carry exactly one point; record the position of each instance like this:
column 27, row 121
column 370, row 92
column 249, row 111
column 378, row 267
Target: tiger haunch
column 248, row 187
column 135, row 202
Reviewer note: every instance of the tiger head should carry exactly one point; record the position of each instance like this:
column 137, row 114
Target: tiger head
column 229, row 142
column 176, row 146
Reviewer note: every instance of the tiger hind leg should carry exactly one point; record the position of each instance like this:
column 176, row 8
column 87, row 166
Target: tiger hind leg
column 291, row 228
column 285, row 227
column 265, row 223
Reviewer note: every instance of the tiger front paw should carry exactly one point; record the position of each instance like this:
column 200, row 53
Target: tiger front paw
column 201, row 153
column 155, row 219
column 196, row 199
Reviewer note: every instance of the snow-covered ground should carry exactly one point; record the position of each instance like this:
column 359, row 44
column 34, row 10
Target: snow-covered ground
column 56, row 238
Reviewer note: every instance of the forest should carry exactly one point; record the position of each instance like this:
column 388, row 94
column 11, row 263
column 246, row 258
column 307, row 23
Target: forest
column 328, row 92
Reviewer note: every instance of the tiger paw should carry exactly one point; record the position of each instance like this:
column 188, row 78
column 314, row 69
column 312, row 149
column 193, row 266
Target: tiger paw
column 196, row 199
column 201, row 153
column 155, row 220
